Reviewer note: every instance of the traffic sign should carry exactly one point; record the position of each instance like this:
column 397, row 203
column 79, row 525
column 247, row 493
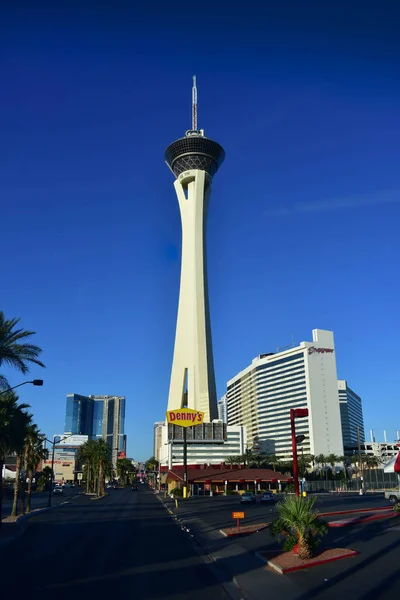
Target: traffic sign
column 79, row 476
column 237, row 515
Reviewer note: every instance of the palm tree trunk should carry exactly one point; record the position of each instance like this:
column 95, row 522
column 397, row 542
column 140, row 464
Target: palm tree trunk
column 28, row 502
column 23, row 489
column 100, row 486
column 1, row 487
column 14, row 511
column 22, row 511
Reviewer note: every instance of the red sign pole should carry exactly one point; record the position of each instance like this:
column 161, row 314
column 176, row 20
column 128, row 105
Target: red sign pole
column 296, row 412
column 294, row 452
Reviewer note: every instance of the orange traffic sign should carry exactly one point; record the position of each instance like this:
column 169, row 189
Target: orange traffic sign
column 185, row 417
column 237, row 515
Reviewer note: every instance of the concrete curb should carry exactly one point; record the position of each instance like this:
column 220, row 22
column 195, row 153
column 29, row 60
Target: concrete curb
column 354, row 511
column 356, row 521
column 232, row 588
column 314, row 563
column 260, row 527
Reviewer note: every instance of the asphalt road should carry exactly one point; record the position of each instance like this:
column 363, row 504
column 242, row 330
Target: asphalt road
column 372, row 575
column 40, row 499
column 125, row 545
column 217, row 511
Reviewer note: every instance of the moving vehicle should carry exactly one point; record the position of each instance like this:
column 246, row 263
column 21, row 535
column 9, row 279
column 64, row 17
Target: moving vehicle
column 248, row 498
column 267, row 498
column 58, row 490
column 135, row 488
column 393, row 496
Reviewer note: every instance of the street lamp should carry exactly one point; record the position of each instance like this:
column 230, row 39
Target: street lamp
column 296, row 413
column 56, row 440
column 34, row 382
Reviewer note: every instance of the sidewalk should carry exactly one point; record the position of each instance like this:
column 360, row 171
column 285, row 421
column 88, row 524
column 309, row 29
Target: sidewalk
column 13, row 528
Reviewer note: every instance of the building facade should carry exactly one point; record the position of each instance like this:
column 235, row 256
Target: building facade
column 98, row 417
column 222, row 416
column 351, row 415
column 383, row 451
column 79, row 415
column 212, row 449
column 260, row 397
column 158, row 440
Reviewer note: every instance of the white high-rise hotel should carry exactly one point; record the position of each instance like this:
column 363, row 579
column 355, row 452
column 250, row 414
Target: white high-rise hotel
column 304, row 376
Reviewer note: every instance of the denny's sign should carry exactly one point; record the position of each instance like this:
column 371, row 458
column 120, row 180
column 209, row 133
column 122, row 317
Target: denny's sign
column 185, row 417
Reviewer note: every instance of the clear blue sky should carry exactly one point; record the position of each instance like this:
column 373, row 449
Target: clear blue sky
column 303, row 228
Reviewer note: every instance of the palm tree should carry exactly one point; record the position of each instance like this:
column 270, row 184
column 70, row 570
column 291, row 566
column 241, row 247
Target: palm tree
column 299, row 524
column 95, row 455
column 22, row 422
column 14, row 349
column 86, row 456
column 304, row 464
column 332, row 459
column 247, row 457
column 371, row 462
column 258, row 460
column 312, row 462
column 151, row 464
column 320, row 459
column 35, row 452
column 103, row 458
column 10, row 419
column 232, row 460
column 272, row 460
column 345, row 461
column 124, row 466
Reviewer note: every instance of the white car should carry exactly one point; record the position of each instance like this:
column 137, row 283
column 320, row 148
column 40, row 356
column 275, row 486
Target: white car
column 248, row 498
column 58, row 490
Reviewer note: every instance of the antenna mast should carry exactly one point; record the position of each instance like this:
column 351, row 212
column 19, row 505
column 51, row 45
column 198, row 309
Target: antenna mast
column 194, row 104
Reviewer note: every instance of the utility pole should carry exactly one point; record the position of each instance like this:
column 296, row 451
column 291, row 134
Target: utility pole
column 360, row 457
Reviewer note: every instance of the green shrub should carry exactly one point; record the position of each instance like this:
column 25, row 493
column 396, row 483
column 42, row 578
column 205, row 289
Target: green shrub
column 177, row 492
column 299, row 524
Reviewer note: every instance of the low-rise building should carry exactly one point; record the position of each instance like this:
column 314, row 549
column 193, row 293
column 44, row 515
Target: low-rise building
column 219, row 479
column 207, row 444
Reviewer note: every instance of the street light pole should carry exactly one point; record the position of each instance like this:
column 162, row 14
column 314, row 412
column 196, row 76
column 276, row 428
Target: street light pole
column 184, row 463
column 360, row 457
column 34, row 382
column 56, row 440
column 52, row 473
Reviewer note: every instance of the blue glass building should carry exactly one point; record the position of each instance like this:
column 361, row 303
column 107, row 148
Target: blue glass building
column 97, row 417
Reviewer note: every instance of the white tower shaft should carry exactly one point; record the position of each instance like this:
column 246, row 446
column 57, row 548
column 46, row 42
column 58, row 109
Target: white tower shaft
column 193, row 366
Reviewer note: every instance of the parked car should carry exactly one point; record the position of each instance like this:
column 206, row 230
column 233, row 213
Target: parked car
column 58, row 490
column 267, row 498
column 248, row 498
column 135, row 488
column 393, row 496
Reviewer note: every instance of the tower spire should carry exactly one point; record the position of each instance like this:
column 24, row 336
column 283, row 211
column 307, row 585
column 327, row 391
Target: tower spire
column 194, row 104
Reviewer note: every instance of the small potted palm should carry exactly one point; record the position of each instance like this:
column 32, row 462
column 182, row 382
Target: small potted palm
column 299, row 526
